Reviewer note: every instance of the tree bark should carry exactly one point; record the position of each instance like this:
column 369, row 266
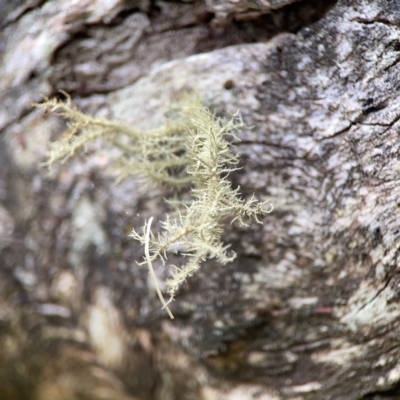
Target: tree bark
column 310, row 308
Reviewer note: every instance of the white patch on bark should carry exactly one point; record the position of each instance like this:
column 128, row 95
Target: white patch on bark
column 298, row 302
column 370, row 307
column 105, row 329
column 65, row 286
column 308, row 387
column 241, row 392
column 86, row 230
column 341, row 353
column 7, row 226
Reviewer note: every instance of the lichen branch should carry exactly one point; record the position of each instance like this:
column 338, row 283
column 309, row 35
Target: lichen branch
column 151, row 270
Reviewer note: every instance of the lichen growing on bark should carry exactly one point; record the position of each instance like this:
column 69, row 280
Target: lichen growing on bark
column 191, row 149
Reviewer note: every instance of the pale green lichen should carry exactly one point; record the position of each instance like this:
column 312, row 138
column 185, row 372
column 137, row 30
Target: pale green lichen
column 190, row 149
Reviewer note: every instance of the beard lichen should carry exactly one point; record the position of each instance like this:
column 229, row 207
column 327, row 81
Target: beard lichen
column 190, row 150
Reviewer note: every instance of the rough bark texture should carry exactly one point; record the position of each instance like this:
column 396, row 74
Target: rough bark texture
column 310, row 308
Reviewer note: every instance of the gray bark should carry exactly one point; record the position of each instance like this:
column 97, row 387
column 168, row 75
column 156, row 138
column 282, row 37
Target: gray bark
column 310, row 308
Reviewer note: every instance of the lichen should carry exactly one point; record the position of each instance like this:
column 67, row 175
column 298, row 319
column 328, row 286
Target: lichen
column 191, row 149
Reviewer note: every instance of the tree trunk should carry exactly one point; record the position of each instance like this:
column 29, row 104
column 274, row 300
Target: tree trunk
column 310, row 307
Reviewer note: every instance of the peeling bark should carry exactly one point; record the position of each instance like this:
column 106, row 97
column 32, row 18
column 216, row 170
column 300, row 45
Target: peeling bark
column 309, row 309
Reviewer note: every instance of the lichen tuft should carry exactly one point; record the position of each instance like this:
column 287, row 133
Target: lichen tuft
column 190, row 149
